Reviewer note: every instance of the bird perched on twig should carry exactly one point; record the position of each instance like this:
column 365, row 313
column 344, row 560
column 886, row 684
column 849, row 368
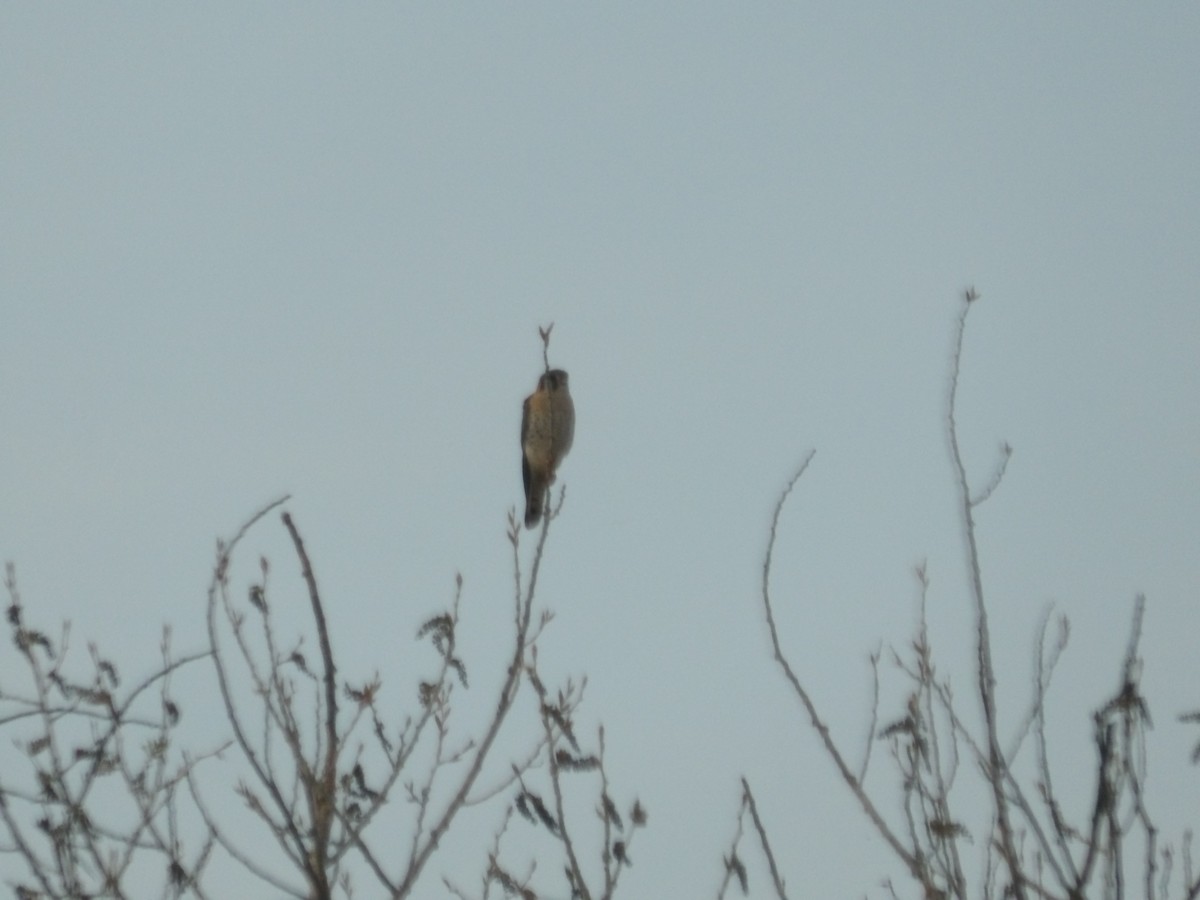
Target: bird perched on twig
column 547, row 429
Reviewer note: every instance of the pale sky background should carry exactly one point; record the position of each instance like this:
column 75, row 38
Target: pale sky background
column 247, row 250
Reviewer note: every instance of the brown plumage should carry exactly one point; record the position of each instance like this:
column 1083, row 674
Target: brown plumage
column 547, row 429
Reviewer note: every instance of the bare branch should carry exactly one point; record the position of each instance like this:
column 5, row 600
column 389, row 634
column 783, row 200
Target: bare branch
column 321, row 793
column 818, row 724
column 776, row 879
column 997, row 768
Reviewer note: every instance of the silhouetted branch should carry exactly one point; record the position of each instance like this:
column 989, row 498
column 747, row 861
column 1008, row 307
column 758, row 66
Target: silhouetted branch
column 776, row 878
column 818, row 724
column 1031, row 848
column 73, row 837
column 321, row 791
column 986, row 675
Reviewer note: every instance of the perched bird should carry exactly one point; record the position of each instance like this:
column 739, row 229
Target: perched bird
column 547, row 429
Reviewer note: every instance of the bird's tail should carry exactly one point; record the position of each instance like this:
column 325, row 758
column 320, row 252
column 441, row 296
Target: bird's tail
column 533, row 507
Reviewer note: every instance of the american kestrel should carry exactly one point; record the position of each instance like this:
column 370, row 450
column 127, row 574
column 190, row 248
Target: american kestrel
column 547, row 429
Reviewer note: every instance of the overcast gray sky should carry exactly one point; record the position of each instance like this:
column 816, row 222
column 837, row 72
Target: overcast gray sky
column 247, row 250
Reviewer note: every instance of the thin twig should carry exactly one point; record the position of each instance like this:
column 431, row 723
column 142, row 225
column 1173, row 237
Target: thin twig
column 762, row 838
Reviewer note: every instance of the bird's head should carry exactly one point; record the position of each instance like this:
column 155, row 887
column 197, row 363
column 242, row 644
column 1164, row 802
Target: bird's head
column 553, row 380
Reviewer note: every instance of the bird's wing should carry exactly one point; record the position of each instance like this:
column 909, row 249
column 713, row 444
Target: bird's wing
column 526, row 475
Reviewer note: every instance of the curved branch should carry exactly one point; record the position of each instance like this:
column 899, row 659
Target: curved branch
column 224, row 554
column 913, row 864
